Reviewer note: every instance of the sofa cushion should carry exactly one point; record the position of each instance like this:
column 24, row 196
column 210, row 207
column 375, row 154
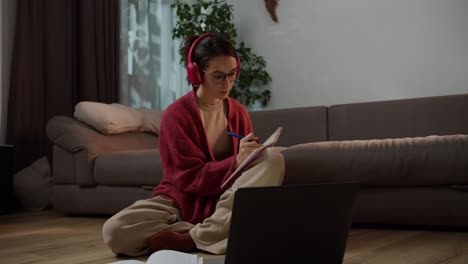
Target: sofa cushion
column 129, row 168
column 416, row 117
column 300, row 124
column 429, row 206
column 73, row 136
column 108, row 118
column 419, row 161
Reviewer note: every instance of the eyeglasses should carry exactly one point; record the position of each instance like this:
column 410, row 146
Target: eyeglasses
column 219, row 77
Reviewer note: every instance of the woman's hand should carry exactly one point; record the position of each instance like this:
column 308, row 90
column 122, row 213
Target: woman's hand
column 248, row 144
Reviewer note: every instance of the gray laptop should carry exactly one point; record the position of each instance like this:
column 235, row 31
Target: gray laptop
column 291, row 224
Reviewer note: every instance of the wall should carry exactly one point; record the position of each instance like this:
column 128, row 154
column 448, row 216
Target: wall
column 326, row 52
column 7, row 14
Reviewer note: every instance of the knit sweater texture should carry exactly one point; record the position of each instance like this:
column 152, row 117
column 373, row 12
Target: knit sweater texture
column 192, row 175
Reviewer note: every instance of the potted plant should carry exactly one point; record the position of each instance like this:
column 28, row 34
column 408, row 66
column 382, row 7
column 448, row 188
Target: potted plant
column 216, row 16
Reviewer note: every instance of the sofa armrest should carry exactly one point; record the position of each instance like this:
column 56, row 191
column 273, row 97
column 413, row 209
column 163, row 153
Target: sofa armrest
column 80, row 144
column 73, row 136
column 418, row 161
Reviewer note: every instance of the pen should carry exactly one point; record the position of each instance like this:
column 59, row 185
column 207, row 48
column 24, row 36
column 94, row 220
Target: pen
column 241, row 137
column 235, row 135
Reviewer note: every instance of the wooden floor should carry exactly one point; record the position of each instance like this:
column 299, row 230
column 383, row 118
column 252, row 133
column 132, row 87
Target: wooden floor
column 48, row 237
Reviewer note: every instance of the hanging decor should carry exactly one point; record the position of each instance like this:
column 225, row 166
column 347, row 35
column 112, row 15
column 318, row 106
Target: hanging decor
column 271, row 7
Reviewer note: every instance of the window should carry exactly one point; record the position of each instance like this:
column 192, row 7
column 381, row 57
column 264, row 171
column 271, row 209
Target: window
column 151, row 75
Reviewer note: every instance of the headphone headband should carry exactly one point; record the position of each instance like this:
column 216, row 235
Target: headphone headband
column 194, row 44
column 194, row 73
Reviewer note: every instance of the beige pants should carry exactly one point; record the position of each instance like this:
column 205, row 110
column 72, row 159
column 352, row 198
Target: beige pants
column 128, row 231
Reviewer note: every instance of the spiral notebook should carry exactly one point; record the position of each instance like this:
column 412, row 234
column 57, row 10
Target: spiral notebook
column 271, row 141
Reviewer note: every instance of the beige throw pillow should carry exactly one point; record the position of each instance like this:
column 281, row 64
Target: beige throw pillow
column 151, row 120
column 109, row 118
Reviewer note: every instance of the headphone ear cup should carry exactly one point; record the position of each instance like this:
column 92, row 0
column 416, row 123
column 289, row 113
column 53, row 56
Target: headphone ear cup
column 193, row 74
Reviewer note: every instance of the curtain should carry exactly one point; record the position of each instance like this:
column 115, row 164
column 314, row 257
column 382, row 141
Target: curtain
column 64, row 51
column 152, row 76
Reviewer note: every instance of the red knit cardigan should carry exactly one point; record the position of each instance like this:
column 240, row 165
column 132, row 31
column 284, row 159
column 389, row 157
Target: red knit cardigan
column 192, row 175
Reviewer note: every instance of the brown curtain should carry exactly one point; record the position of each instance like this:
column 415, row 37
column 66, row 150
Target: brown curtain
column 65, row 51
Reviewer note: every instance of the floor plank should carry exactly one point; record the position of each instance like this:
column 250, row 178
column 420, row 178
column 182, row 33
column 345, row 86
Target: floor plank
column 52, row 238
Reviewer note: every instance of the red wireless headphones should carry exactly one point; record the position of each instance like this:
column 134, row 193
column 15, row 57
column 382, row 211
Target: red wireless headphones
column 194, row 73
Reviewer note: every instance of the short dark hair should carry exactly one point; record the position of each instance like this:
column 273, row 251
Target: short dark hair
column 207, row 48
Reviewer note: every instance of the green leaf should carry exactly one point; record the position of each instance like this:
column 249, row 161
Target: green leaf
column 218, row 17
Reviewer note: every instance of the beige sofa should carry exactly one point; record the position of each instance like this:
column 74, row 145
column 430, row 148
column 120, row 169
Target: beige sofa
column 410, row 156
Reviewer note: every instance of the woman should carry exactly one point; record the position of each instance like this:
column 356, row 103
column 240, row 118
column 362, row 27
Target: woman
column 189, row 209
